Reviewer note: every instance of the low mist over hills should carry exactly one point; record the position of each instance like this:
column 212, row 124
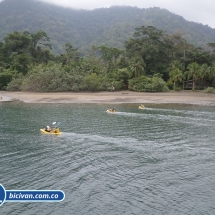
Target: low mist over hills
column 83, row 28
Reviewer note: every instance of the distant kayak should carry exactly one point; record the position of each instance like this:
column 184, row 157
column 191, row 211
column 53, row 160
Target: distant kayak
column 111, row 111
column 46, row 132
column 141, row 107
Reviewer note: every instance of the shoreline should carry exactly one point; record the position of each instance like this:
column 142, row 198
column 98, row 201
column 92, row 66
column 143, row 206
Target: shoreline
column 180, row 97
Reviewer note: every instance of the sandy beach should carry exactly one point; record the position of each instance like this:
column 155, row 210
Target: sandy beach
column 183, row 97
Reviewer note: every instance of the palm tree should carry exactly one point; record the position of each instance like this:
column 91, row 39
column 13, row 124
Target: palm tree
column 137, row 66
column 193, row 72
column 205, row 71
column 175, row 64
column 176, row 75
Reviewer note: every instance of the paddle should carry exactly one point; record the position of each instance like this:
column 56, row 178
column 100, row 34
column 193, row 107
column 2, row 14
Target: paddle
column 56, row 126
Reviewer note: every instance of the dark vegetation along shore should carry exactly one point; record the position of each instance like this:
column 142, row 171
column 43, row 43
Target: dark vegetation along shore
column 150, row 61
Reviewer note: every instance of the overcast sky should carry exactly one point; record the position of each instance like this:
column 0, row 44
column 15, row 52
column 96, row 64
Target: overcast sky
column 201, row 11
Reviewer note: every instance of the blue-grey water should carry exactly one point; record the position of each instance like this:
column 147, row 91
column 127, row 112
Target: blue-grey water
column 160, row 160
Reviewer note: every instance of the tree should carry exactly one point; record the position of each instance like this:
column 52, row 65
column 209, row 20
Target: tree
column 211, row 74
column 193, row 72
column 176, row 43
column 200, row 56
column 151, row 45
column 146, row 84
column 72, row 55
column 176, row 74
column 92, row 82
column 40, row 46
column 20, row 62
column 205, row 71
column 136, row 66
column 110, row 56
column 17, row 42
column 6, row 76
column 23, row 49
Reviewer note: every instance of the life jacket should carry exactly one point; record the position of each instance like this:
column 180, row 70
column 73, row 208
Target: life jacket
column 56, row 130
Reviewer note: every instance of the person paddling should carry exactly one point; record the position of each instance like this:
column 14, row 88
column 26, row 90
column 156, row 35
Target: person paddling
column 48, row 129
column 56, row 130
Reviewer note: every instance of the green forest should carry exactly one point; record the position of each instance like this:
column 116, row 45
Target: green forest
column 109, row 27
column 150, row 61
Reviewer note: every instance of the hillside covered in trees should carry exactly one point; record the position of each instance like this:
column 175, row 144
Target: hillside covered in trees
column 109, row 27
column 152, row 61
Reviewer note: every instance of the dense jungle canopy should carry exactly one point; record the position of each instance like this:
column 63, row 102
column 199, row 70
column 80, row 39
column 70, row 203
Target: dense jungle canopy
column 152, row 61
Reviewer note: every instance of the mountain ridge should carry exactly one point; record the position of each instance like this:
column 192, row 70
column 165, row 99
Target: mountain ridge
column 101, row 26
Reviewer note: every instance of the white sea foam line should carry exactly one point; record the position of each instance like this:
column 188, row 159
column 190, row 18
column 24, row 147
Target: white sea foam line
column 196, row 119
column 127, row 113
column 146, row 115
column 183, row 119
column 184, row 111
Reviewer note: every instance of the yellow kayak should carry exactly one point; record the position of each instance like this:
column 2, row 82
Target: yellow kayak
column 111, row 111
column 46, row 132
column 141, row 107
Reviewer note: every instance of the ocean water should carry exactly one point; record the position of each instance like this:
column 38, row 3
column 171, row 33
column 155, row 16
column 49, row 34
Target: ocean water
column 160, row 160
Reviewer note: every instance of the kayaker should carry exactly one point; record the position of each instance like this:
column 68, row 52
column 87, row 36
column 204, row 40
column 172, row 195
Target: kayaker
column 48, row 129
column 56, row 130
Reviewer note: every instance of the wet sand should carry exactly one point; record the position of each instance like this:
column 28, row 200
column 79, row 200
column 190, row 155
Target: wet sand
column 183, row 97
